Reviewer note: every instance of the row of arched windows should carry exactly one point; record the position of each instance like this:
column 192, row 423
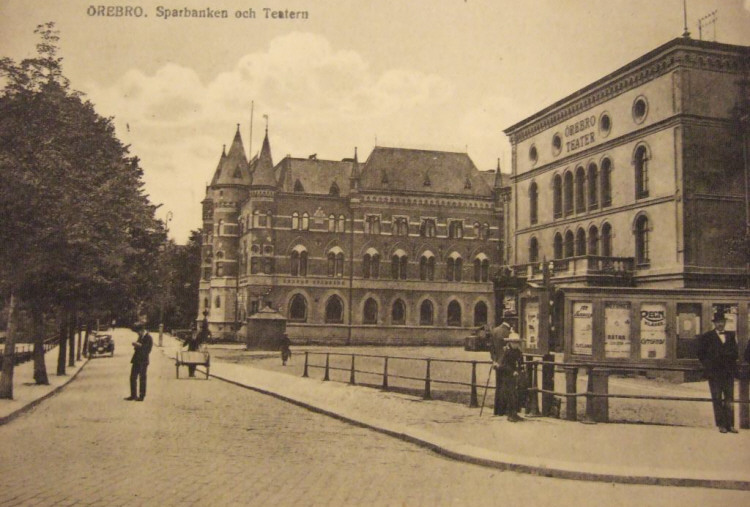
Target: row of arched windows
column 334, row 312
column 594, row 243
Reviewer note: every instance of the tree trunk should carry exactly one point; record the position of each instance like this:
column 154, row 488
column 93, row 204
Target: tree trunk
column 86, row 339
column 40, row 367
column 62, row 342
column 80, row 340
column 72, row 325
column 6, row 379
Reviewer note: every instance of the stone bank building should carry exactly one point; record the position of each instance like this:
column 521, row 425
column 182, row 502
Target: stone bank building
column 400, row 249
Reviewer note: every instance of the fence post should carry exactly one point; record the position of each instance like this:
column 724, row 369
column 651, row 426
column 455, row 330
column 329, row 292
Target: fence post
column 597, row 408
column 351, row 376
column 548, row 383
column 744, row 397
column 326, row 377
column 385, row 374
column 304, row 373
column 473, row 401
column 427, row 395
column 532, row 404
column 571, row 400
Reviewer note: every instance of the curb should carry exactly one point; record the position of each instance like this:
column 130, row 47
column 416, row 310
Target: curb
column 540, row 471
column 22, row 410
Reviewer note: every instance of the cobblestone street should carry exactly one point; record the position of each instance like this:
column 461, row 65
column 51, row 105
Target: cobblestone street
column 208, row 442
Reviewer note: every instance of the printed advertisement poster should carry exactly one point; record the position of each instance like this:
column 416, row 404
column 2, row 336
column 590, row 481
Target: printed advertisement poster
column 653, row 331
column 531, row 323
column 617, row 330
column 509, row 305
column 582, row 327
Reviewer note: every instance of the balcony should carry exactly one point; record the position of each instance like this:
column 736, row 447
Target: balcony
column 587, row 270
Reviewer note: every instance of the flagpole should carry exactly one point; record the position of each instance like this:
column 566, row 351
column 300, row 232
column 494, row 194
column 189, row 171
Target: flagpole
column 250, row 142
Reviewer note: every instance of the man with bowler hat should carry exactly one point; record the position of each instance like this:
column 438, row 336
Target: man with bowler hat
column 141, row 350
column 717, row 352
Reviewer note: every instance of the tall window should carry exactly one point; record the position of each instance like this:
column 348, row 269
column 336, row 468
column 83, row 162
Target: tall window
column 269, row 219
column 256, row 218
column 372, row 224
column 295, row 221
column 640, row 159
column 217, row 302
column 580, row 242
column 456, row 229
column 342, row 224
column 398, row 312
column 335, row 263
column 298, row 308
column 568, row 193
column 558, row 246
column 334, row 310
column 557, row 196
column 370, row 314
column 606, row 183
column 593, row 185
column 533, row 250
column 299, row 262
column 593, row 248
column 399, row 263
column 606, row 240
column 400, row 226
column 641, row 240
column 427, row 267
column 480, row 313
column 371, row 265
column 454, row 268
column 569, row 244
column 426, row 313
column 533, row 203
column 305, row 221
column 454, row 314
column 580, row 190
column 331, row 223
column 427, row 228
column 481, row 268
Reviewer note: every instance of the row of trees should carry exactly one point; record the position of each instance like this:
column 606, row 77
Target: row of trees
column 80, row 240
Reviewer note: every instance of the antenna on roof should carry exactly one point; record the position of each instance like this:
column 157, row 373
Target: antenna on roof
column 266, row 117
column 685, row 33
column 250, row 142
column 708, row 19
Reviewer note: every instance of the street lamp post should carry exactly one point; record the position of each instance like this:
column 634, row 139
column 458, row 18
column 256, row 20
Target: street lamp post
column 163, row 279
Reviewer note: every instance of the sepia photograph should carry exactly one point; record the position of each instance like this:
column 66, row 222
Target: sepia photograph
column 375, row 253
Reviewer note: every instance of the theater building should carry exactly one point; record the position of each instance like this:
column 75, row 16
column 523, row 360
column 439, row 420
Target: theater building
column 630, row 206
column 398, row 249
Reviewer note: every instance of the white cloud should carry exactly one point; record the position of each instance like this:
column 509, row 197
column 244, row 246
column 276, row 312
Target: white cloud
column 312, row 92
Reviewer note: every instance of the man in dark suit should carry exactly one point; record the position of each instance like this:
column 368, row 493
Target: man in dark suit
column 141, row 350
column 717, row 352
column 498, row 335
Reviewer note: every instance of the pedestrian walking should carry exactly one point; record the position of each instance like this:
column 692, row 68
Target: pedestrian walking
column 498, row 335
column 717, row 352
column 139, row 364
column 508, row 372
column 286, row 352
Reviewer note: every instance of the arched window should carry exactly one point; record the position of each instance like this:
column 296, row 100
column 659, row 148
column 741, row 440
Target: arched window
column 593, row 185
column 485, row 231
column 593, row 241
column 606, row 240
column 456, row 229
column 399, row 263
column 580, row 190
column 427, row 228
column 427, row 266
column 371, row 264
column 205, row 303
column 641, row 240
column 295, row 221
column 454, row 314
column 640, row 160
column 299, row 262
column 334, row 190
column 372, row 224
column 533, row 203
column 558, row 246
column 400, row 226
column 533, row 250
column 370, row 314
column 568, row 193
column 269, row 219
column 219, row 269
column 606, row 182
column 398, row 312
column 217, row 302
column 580, row 242
column 295, row 263
column 342, row 224
column 335, row 262
column 426, row 313
column 454, row 267
column 331, row 223
column 334, row 310
column 298, row 308
column 480, row 313
column 481, row 268
column 569, row 244
column 557, row 196
column 305, row 226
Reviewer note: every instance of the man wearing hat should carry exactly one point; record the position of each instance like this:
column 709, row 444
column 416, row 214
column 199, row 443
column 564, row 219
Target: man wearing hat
column 717, row 352
column 141, row 350
column 498, row 335
column 507, row 362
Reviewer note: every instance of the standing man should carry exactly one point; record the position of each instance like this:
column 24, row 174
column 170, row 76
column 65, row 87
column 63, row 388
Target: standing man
column 141, row 350
column 498, row 335
column 509, row 374
column 717, row 352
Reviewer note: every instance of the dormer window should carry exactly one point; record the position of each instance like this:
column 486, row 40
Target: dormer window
column 467, row 184
column 334, row 190
column 238, row 172
column 298, row 186
column 427, row 181
column 384, row 179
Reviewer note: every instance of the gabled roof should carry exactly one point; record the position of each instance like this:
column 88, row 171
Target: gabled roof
column 424, row 171
column 314, row 175
column 263, row 172
column 233, row 168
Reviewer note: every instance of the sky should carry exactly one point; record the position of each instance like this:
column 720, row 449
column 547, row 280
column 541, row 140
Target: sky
column 448, row 75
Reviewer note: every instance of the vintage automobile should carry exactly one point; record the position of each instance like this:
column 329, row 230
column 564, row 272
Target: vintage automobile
column 479, row 340
column 100, row 344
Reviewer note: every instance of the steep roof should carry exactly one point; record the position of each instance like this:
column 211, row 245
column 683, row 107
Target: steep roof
column 314, row 175
column 233, row 168
column 263, row 172
column 409, row 170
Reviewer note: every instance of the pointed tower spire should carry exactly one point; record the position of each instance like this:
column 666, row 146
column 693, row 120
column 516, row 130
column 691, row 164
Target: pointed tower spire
column 233, row 168
column 354, row 178
column 498, row 176
column 263, row 173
